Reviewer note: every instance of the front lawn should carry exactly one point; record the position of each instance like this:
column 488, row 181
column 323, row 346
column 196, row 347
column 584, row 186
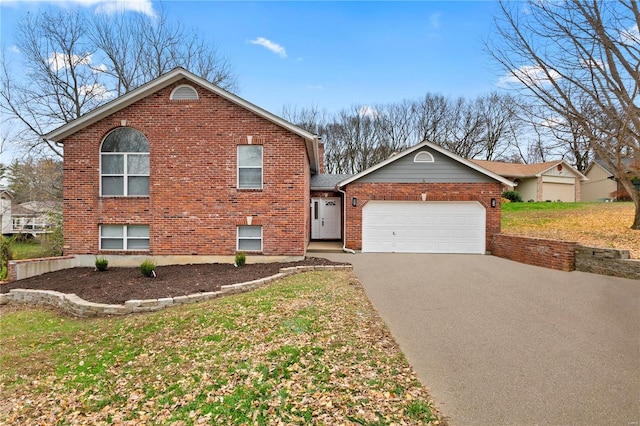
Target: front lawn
column 591, row 224
column 307, row 349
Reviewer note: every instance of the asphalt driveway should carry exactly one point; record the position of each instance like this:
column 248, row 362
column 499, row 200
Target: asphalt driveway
column 502, row 343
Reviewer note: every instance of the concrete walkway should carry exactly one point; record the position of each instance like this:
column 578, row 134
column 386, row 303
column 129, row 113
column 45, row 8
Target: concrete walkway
column 502, row 343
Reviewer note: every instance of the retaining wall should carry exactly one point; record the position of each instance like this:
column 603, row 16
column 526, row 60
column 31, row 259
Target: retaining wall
column 76, row 306
column 607, row 262
column 560, row 255
column 21, row 269
column 565, row 256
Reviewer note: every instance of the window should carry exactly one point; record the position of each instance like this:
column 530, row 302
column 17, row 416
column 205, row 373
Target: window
column 250, row 166
column 124, row 163
column 423, row 157
column 124, row 237
column 250, row 238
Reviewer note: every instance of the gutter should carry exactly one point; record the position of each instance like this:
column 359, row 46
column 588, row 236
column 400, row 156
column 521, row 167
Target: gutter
column 344, row 222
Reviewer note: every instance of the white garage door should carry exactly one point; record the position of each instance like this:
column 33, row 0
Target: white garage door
column 423, row 227
column 558, row 191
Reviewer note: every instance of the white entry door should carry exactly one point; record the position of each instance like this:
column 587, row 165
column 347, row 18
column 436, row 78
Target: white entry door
column 325, row 218
column 423, row 227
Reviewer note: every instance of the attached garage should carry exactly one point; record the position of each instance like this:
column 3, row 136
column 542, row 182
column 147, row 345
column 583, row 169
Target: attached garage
column 423, row 227
column 422, row 200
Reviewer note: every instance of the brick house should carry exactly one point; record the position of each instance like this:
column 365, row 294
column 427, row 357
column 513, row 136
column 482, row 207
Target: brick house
column 186, row 172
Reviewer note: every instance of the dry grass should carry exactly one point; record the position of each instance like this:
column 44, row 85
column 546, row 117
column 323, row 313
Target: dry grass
column 592, row 224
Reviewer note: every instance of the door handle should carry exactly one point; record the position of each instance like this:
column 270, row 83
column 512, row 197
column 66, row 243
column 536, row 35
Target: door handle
column 323, row 221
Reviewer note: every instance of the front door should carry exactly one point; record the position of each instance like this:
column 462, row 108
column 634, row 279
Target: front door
column 325, row 218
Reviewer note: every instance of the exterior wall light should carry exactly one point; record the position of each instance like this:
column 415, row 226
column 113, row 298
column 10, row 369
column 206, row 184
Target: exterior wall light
column 493, row 202
column 354, row 201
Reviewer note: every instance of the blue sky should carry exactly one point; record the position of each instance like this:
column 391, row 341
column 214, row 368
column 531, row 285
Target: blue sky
column 331, row 55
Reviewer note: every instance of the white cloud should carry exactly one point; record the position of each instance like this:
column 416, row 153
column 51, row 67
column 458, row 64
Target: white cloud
column 529, row 75
column 108, row 7
column 120, row 6
column 272, row 46
column 631, row 35
column 367, row 111
column 58, row 61
column 97, row 91
column 14, row 49
column 100, row 68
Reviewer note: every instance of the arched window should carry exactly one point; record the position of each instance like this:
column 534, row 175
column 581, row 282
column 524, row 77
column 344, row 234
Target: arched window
column 423, row 157
column 184, row 93
column 124, row 163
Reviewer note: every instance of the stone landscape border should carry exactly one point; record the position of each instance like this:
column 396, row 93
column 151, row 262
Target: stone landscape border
column 72, row 304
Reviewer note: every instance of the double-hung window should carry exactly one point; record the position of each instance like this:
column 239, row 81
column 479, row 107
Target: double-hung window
column 124, row 237
column 250, row 166
column 250, row 238
column 124, row 164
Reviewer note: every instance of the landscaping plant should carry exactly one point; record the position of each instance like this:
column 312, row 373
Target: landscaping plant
column 148, row 268
column 513, row 196
column 101, row 263
column 241, row 258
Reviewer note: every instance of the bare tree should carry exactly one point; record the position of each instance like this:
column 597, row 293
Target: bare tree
column 74, row 64
column 567, row 53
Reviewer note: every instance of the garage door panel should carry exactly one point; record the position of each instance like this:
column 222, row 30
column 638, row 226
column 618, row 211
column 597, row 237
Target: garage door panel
column 423, row 227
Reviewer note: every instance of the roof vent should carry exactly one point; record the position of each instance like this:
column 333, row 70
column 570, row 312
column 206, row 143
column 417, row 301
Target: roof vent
column 184, row 93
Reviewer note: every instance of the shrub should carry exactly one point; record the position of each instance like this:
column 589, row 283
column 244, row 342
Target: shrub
column 513, row 196
column 5, row 257
column 101, row 263
column 53, row 242
column 241, row 258
column 148, row 268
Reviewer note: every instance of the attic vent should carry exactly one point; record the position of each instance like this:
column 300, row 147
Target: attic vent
column 423, row 157
column 184, row 93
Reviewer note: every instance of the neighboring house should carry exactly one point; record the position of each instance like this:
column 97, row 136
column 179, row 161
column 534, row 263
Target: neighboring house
column 602, row 183
column 33, row 217
column 5, row 211
column 184, row 171
column 549, row 181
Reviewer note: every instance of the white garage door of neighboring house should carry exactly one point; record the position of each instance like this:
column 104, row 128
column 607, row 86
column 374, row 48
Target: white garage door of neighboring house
column 423, row 227
column 558, row 191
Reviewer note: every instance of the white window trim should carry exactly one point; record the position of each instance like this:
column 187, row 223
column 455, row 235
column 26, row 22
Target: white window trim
column 249, row 238
column 249, row 167
column 125, row 175
column 428, row 155
column 125, row 239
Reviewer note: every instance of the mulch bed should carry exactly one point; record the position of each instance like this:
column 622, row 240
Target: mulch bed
column 117, row 285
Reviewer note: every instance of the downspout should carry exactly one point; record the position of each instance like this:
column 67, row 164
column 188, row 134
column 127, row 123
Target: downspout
column 344, row 222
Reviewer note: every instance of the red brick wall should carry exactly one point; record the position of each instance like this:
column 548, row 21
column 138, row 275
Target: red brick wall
column 552, row 254
column 481, row 192
column 194, row 206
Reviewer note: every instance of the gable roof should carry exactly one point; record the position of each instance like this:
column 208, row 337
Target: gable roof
column 171, row 77
column 327, row 182
column 514, row 170
column 436, row 148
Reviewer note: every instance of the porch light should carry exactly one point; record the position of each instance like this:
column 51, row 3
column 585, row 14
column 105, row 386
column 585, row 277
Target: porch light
column 354, row 201
column 493, row 202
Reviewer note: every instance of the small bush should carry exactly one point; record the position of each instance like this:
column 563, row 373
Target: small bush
column 241, row 258
column 513, row 196
column 5, row 257
column 148, row 268
column 101, row 263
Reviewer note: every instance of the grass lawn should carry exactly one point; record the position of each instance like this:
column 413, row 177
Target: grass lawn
column 25, row 249
column 591, row 224
column 307, row 349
